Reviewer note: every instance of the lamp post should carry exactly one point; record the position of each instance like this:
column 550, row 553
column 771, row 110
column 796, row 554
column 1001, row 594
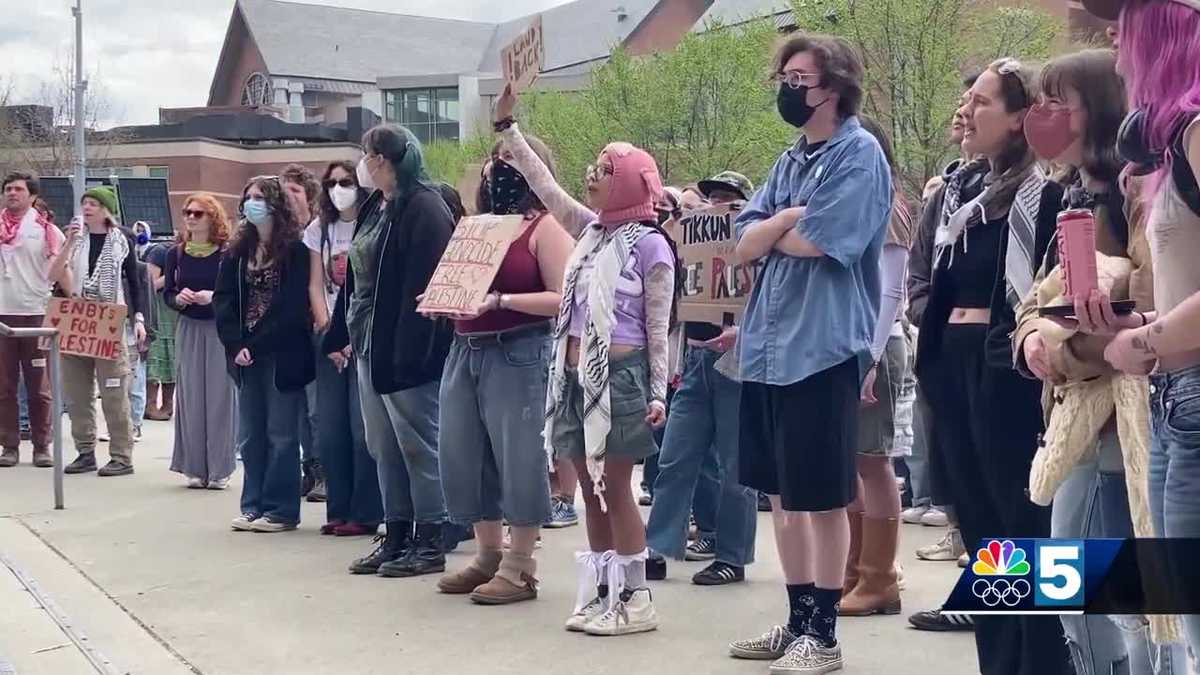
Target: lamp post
column 80, row 179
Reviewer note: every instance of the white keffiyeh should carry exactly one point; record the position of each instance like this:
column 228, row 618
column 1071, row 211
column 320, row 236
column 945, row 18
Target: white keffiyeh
column 104, row 282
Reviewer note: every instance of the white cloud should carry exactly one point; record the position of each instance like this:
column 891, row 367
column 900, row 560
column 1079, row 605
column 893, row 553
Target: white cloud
column 144, row 55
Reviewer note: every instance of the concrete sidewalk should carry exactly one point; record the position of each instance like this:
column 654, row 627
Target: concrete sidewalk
column 151, row 573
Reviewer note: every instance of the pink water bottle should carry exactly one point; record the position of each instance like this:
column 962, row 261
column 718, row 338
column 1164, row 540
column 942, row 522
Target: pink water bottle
column 1077, row 252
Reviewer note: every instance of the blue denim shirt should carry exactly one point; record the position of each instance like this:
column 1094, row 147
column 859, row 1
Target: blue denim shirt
column 806, row 315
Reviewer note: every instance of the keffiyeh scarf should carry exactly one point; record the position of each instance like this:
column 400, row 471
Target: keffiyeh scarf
column 607, row 252
column 104, row 282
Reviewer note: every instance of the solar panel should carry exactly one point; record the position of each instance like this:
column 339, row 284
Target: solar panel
column 146, row 199
column 60, row 196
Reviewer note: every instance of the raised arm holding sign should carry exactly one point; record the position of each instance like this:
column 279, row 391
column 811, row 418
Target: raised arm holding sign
column 521, row 60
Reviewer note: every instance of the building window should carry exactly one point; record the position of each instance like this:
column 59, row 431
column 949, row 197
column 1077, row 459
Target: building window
column 110, row 171
column 257, row 90
column 431, row 114
column 158, row 172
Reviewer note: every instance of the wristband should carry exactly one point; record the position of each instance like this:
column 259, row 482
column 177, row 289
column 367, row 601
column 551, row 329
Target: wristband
column 1145, row 321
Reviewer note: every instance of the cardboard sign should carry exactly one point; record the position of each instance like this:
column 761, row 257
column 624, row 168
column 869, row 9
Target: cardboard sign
column 521, row 60
column 715, row 286
column 469, row 264
column 87, row 327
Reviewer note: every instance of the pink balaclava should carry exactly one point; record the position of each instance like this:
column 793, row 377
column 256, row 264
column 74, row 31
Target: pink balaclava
column 635, row 185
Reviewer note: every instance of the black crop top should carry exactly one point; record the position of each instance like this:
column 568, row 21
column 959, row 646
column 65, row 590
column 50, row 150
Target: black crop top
column 971, row 271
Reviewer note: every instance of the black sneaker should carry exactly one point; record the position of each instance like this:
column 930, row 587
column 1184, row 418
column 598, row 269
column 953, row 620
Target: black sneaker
column 764, row 504
column 656, row 568
column 425, row 556
column 704, row 548
column 116, row 468
column 719, row 574
column 389, row 547
column 934, row 620
column 84, row 463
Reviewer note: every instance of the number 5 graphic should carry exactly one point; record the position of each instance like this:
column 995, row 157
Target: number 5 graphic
column 1060, row 562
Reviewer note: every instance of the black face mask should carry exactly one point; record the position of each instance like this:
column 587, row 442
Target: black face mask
column 793, row 105
column 663, row 216
column 508, row 191
column 1133, row 145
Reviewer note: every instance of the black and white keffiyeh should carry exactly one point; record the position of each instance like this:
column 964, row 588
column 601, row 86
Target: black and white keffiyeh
column 104, row 282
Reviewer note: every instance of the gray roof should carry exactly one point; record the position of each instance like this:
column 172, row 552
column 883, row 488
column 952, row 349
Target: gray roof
column 740, row 11
column 336, row 43
column 576, row 32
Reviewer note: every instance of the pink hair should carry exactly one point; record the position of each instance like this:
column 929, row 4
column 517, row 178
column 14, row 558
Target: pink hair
column 1160, row 59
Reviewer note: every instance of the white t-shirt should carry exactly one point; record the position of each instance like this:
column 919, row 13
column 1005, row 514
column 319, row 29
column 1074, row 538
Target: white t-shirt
column 24, row 269
column 337, row 245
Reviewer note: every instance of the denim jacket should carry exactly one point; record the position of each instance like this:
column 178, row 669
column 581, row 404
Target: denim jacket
column 806, row 315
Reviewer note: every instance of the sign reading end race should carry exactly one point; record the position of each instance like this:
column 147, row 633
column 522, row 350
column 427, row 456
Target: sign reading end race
column 715, row 286
column 521, row 60
column 87, row 327
column 469, row 265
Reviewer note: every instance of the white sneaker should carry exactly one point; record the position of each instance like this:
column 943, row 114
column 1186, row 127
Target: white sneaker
column 912, row 515
column 949, row 548
column 935, row 517
column 769, row 646
column 632, row 614
column 899, row 576
column 578, row 620
column 219, row 484
column 244, row 522
column 195, row 483
column 806, row 656
column 269, row 526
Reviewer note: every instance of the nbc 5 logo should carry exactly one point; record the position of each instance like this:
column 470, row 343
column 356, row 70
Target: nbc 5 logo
column 1059, row 573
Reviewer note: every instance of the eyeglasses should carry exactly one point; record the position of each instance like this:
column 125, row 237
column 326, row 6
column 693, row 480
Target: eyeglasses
column 194, row 213
column 597, row 173
column 345, row 182
column 796, row 79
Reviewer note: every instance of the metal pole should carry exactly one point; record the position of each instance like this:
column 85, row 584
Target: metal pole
column 80, row 180
column 57, row 410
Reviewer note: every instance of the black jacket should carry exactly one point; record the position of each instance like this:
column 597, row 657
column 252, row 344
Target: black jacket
column 407, row 349
column 931, row 308
column 285, row 331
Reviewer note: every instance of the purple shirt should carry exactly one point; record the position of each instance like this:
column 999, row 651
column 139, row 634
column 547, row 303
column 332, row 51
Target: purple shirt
column 630, row 328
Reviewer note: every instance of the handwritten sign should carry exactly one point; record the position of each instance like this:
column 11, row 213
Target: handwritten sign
column 469, row 264
column 521, row 60
column 87, row 327
column 715, row 285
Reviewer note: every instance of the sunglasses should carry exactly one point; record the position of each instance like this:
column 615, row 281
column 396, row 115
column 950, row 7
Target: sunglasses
column 345, row 182
column 194, row 213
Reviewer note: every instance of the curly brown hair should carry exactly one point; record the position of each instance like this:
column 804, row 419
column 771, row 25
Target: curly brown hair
column 840, row 64
column 285, row 228
column 220, row 229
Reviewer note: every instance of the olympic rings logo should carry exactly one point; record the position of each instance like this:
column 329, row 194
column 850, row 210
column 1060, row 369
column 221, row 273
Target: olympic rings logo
column 994, row 593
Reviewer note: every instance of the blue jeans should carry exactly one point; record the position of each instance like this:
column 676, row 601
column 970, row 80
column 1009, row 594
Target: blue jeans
column 1094, row 503
column 704, row 417
column 351, row 478
column 1175, row 466
column 269, row 443
column 918, row 461
column 137, row 383
column 22, row 404
column 707, row 498
column 402, row 435
column 493, row 459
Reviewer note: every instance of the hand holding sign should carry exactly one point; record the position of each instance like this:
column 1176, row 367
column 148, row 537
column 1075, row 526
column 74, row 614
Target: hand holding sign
column 460, row 284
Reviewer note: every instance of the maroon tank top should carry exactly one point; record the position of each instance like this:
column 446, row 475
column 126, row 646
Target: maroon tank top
column 519, row 273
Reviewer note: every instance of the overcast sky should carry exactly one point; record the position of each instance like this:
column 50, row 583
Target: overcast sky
column 147, row 54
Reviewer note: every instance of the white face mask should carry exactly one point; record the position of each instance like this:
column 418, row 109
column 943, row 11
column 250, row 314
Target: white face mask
column 343, row 197
column 364, row 175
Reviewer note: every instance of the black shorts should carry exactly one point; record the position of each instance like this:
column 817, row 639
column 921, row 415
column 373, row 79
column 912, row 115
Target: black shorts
column 799, row 441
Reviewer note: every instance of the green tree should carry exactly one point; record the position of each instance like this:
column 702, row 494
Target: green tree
column 916, row 53
column 706, row 106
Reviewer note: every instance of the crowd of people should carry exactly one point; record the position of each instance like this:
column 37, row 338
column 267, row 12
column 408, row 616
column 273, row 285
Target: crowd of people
column 884, row 330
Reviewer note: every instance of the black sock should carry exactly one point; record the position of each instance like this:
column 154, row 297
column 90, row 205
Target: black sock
column 823, row 624
column 800, row 603
column 602, row 591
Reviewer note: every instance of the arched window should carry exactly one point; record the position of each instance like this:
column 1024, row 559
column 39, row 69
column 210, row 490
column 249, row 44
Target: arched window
column 257, row 90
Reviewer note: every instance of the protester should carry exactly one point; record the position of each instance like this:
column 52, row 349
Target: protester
column 264, row 321
column 138, row 351
column 352, row 506
column 491, row 461
column 29, row 241
column 872, row 584
column 302, row 189
column 204, row 430
column 160, row 362
column 402, row 230
column 988, row 237
column 100, row 264
column 617, row 308
column 702, row 437
column 1158, row 46
column 817, row 225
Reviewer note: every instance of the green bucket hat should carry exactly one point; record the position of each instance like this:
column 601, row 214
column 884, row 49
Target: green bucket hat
column 727, row 180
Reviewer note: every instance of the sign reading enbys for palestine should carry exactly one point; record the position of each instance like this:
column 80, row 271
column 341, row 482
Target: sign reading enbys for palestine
column 715, row 284
column 469, row 264
column 87, row 327
column 521, row 60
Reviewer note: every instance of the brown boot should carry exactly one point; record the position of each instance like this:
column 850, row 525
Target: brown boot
column 877, row 591
column 514, row 582
column 152, row 411
column 856, row 536
column 168, row 400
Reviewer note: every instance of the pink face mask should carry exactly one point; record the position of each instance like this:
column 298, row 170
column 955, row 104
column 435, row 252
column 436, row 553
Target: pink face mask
column 1049, row 132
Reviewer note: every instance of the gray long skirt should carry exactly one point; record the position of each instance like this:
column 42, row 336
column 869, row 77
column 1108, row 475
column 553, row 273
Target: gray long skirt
column 205, row 407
